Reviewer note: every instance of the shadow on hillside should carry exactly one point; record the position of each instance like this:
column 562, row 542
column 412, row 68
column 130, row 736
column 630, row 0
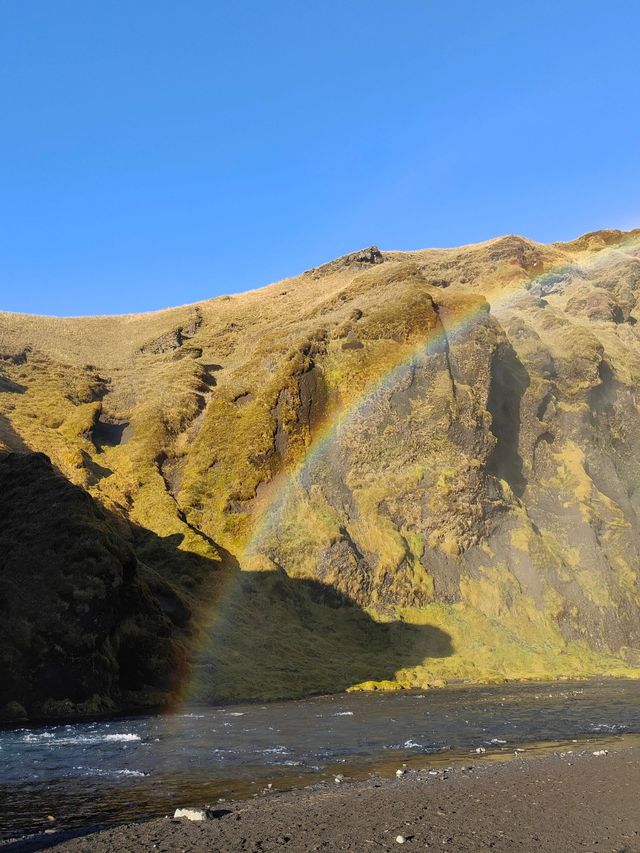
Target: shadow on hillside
column 265, row 635
column 99, row 615
column 509, row 381
column 12, row 439
column 109, row 433
column 8, row 386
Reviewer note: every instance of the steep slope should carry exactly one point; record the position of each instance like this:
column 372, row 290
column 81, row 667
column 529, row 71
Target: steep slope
column 446, row 439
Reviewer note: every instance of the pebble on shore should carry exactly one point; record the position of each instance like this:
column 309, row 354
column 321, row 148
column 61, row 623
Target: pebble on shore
column 190, row 814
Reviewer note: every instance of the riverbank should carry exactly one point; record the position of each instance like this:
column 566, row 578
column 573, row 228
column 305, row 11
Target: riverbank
column 566, row 801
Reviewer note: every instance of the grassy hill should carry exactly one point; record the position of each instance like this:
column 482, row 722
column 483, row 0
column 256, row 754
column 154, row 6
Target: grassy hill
column 399, row 468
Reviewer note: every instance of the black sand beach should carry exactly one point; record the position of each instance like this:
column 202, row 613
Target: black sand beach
column 560, row 802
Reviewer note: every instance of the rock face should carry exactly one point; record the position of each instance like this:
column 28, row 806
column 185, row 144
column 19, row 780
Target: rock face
column 396, row 469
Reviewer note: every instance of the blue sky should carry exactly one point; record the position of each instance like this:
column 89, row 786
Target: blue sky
column 157, row 153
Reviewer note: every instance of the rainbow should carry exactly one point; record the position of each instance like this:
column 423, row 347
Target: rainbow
column 273, row 506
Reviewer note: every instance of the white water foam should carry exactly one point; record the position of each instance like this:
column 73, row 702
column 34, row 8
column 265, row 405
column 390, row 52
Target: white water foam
column 412, row 744
column 96, row 771
column 80, row 740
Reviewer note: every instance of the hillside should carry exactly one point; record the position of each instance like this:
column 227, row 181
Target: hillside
column 396, row 469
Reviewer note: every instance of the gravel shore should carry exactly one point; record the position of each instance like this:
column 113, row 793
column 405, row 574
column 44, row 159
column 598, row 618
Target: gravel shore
column 563, row 802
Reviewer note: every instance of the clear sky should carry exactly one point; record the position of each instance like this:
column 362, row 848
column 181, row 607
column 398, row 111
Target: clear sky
column 157, row 152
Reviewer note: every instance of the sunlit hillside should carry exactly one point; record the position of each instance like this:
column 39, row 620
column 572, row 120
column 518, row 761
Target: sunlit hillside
column 396, row 469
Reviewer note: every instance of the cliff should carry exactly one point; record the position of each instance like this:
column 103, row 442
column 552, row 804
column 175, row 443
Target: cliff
column 398, row 468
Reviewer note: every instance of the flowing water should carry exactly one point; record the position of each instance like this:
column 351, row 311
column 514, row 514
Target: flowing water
column 111, row 771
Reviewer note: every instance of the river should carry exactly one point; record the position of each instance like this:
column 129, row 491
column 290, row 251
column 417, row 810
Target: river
column 111, row 771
